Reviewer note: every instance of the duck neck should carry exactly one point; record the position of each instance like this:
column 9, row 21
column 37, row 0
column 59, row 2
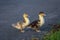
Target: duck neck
column 26, row 21
column 41, row 18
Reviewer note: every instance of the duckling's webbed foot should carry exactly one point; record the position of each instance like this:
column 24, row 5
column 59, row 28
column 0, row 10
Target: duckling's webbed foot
column 22, row 30
column 37, row 29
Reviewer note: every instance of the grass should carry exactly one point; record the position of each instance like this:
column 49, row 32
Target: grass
column 53, row 36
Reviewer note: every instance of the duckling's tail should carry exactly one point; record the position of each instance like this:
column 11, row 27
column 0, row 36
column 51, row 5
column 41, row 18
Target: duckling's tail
column 17, row 26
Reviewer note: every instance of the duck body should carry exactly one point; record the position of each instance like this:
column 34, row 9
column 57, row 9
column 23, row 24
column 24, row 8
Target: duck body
column 34, row 24
column 37, row 23
column 21, row 25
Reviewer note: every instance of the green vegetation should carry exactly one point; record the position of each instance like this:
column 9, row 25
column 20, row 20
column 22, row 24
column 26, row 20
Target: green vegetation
column 52, row 35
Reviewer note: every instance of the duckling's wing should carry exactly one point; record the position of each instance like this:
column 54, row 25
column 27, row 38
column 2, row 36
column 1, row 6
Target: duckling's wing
column 34, row 22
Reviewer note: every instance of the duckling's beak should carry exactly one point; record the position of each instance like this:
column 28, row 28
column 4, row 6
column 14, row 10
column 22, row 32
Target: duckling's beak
column 28, row 16
column 44, row 14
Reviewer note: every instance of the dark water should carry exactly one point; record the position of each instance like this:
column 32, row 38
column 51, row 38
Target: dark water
column 11, row 11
